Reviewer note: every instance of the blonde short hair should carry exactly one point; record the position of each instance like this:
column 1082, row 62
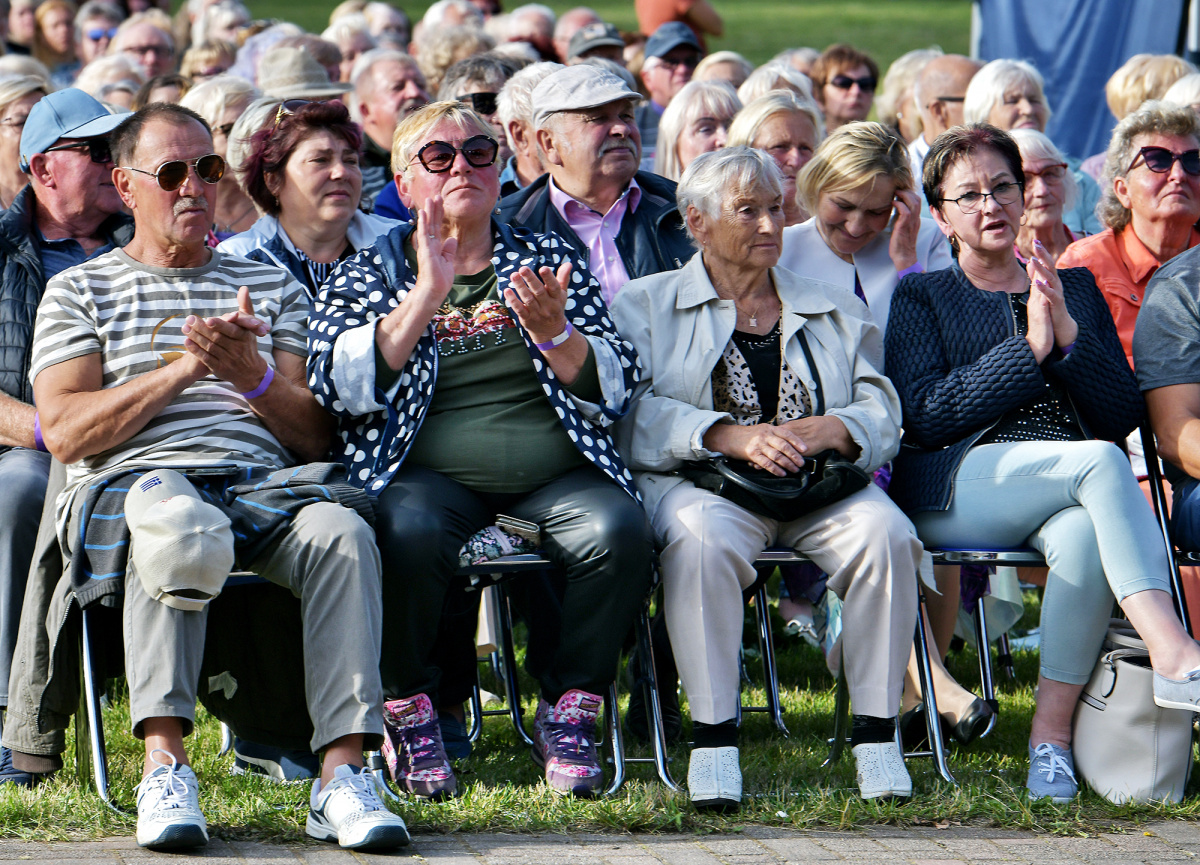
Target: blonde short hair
column 901, row 78
column 853, row 155
column 1185, row 91
column 1142, row 77
column 703, row 69
column 990, row 83
column 746, row 124
column 210, row 98
column 412, row 130
column 775, row 75
column 696, row 99
column 14, row 87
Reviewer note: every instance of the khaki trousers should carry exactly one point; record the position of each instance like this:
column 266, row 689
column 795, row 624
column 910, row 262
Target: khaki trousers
column 866, row 545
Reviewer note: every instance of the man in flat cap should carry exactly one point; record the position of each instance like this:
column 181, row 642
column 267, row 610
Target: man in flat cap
column 593, row 195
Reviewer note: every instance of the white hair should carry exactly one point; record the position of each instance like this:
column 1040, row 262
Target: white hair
column 14, row 87
column 719, row 175
column 1185, row 91
column 1036, row 145
column 347, row 27
column 775, row 75
column 220, row 14
column 360, row 74
column 210, row 98
column 435, row 15
column 534, row 9
column 104, row 70
column 990, row 83
column 515, row 102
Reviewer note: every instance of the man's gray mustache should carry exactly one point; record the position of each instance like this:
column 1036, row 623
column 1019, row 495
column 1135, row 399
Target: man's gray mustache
column 188, row 203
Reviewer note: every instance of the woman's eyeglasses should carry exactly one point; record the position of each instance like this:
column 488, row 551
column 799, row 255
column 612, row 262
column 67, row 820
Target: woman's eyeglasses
column 1160, row 159
column 172, row 175
column 1053, row 173
column 483, row 103
column 1002, row 193
column 98, row 150
column 437, row 157
column 845, row 82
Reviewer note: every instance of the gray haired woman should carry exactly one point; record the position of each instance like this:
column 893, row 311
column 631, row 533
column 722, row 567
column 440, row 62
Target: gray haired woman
column 739, row 357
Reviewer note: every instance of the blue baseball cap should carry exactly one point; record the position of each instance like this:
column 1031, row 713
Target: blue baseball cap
column 670, row 36
column 69, row 113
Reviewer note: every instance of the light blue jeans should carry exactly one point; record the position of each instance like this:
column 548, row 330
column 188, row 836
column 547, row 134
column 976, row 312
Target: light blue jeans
column 1078, row 504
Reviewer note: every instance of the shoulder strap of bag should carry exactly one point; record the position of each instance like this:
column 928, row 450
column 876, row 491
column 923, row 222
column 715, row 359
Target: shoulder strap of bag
column 816, row 374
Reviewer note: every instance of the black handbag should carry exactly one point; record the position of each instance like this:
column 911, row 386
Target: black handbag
column 824, row 478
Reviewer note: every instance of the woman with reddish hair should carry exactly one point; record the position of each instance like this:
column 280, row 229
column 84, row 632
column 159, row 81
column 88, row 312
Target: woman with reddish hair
column 844, row 81
column 303, row 174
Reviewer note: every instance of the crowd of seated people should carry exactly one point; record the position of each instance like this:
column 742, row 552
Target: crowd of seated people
column 325, row 307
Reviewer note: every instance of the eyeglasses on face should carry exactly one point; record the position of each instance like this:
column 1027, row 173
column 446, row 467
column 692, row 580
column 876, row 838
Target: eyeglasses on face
column 483, row 103
column 172, row 175
column 437, row 157
column 1053, row 173
column 98, row 33
column 1160, row 159
column 97, row 148
column 845, row 82
column 1002, row 193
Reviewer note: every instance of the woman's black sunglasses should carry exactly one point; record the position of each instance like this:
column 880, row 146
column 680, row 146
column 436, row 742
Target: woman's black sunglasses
column 172, row 175
column 438, row 156
column 1160, row 159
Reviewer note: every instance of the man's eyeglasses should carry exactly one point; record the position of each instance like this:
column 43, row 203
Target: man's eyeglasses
column 483, row 103
column 172, row 175
column 1053, row 173
column 98, row 33
column 845, row 82
column 437, row 157
column 1159, row 160
column 98, row 150
column 1002, row 193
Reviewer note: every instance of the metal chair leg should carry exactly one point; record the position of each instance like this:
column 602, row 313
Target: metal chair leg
column 93, row 688
column 932, row 719
column 984, row 646
column 509, row 665
column 841, row 719
column 612, row 720
column 766, row 646
column 475, row 730
column 226, row 740
column 378, row 767
column 658, row 735
column 1004, row 657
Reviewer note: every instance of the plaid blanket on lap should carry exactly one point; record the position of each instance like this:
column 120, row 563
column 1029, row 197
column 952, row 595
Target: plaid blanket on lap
column 260, row 503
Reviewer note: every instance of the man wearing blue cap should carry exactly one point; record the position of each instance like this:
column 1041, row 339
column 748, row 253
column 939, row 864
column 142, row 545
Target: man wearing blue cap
column 67, row 213
column 672, row 54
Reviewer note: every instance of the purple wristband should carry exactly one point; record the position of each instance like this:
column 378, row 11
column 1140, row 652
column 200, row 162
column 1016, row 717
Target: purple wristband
column 1066, row 349
column 557, row 341
column 912, row 268
column 38, row 441
column 262, row 385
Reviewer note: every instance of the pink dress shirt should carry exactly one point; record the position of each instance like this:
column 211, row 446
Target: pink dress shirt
column 599, row 232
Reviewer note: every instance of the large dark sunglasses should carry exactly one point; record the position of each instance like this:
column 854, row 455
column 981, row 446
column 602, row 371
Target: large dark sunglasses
column 845, row 82
column 1159, row 160
column 438, row 156
column 483, row 103
column 98, row 150
column 172, row 175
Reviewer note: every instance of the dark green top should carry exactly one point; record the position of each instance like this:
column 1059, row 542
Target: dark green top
column 489, row 425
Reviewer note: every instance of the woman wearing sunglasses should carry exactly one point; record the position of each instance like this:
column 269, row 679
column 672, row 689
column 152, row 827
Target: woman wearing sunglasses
column 303, row 173
column 1013, row 386
column 1151, row 203
column 474, row 370
column 844, row 81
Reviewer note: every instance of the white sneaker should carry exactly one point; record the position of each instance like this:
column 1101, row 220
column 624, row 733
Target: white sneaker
column 881, row 771
column 350, row 812
column 168, row 807
column 715, row 778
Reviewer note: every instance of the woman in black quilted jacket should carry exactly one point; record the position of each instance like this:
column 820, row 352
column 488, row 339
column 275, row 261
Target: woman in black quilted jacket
column 1013, row 384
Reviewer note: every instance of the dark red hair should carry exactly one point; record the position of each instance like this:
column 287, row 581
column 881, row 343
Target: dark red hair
column 272, row 146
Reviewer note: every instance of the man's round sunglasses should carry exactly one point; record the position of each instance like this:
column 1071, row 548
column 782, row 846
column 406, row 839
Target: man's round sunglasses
column 1160, row 159
column 97, row 148
column 172, row 175
column 438, row 156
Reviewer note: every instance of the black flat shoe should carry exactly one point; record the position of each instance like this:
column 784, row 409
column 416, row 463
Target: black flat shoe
column 973, row 723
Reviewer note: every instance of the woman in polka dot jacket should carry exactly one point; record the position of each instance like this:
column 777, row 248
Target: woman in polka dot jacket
column 474, row 370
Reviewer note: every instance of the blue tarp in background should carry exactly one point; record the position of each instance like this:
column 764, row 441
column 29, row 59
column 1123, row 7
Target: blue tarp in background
column 1077, row 45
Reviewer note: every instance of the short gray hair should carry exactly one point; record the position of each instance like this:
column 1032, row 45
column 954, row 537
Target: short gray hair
column 775, row 75
column 1037, row 145
column 515, row 101
column 1153, row 117
column 990, row 83
column 489, row 69
column 435, row 15
column 719, row 175
column 210, row 98
column 94, row 9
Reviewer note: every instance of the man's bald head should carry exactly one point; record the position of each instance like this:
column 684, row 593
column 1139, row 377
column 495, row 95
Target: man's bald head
column 939, row 92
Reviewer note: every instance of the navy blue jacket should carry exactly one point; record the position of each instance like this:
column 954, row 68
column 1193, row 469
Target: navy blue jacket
column 652, row 238
column 953, row 354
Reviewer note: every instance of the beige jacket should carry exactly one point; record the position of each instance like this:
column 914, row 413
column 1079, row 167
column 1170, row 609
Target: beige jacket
column 680, row 327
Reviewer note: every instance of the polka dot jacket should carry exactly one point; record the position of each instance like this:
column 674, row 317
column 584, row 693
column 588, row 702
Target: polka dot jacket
column 376, row 428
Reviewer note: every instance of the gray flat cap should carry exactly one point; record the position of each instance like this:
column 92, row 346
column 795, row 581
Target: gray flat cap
column 577, row 88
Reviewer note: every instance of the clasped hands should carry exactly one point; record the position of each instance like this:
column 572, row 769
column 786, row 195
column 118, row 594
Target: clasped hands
column 1050, row 322
column 781, row 449
column 227, row 346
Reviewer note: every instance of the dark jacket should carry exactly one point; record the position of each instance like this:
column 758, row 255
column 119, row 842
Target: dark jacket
column 954, row 356
column 652, row 238
column 22, row 284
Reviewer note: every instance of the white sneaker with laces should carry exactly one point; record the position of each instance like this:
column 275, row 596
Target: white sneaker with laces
column 350, row 812
column 168, row 807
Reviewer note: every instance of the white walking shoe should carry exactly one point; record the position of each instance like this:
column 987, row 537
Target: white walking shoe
column 350, row 812
column 715, row 778
column 881, row 771
column 168, row 804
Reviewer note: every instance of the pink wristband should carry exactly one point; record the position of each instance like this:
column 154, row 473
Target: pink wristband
column 912, row 268
column 557, row 341
column 38, row 441
column 262, row 385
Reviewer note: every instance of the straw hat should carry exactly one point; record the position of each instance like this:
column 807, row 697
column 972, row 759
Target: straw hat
column 290, row 73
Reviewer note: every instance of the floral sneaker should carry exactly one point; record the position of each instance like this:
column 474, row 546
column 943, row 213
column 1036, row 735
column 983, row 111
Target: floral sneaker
column 412, row 747
column 564, row 742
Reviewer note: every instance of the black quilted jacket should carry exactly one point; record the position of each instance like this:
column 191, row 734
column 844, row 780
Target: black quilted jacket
column 954, row 356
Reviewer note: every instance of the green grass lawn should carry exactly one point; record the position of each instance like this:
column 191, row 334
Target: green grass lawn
column 784, row 781
column 759, row 29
